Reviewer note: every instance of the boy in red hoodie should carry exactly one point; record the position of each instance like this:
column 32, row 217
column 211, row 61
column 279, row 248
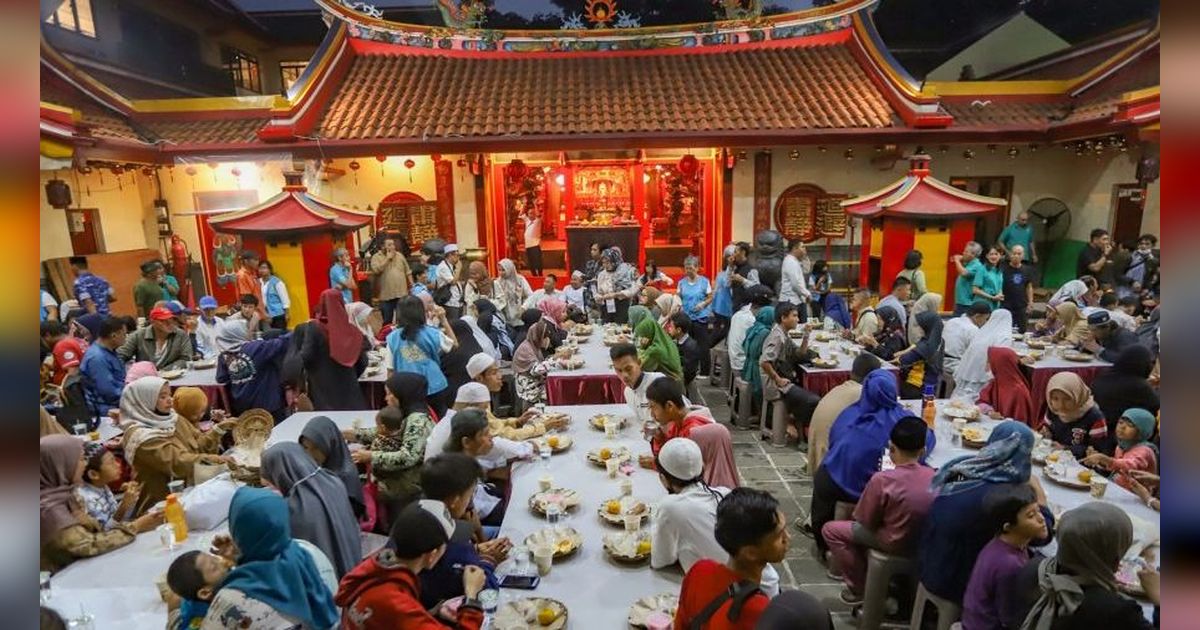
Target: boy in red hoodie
column 384, row 591
column 675, row 417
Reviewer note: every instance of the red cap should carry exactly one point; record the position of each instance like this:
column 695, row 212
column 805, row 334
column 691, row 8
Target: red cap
column 161, row 313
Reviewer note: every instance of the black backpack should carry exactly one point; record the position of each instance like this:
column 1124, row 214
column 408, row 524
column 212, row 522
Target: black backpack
column 739, row 593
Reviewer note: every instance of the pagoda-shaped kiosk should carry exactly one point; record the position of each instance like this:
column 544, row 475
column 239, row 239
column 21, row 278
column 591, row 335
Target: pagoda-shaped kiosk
column 919, row 212
column 298, row 233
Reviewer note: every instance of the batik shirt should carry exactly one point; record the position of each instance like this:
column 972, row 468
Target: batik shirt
column 99, row 503
column 89, row 286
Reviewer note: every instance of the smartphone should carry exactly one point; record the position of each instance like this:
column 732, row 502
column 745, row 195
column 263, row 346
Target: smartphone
column 527, row 582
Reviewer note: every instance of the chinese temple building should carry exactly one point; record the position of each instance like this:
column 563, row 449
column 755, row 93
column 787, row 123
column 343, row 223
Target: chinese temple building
column 673, row 140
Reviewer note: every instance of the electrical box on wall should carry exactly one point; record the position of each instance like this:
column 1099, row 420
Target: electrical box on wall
column 162, row 217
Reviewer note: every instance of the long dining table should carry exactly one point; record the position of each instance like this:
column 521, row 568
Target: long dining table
column 595, row 383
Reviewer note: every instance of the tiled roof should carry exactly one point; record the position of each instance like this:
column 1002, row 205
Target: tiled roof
column 100, row 121
column 769, row 89
column 219, row 131
column 988, row 112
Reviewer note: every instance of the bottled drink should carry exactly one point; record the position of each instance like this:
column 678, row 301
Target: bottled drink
column 174, row 517
column 928, row 408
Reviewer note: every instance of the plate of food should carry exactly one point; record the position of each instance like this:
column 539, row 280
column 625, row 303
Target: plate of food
column 628, row 546
column 642, row 609
column 171, row 375
column 824, row 364
column 564, row 540
column 557, row 443
column 976, row 437
column 612, row 340
column 565, row 351
column 1036, row 344
column 582, row 330
column 614, row 511
column 566, row 499
column 1071, row 475
column 599, row 456
column 203, row 364
column 1077, row 356
column 597, row 421
column 958, row 408
column 617, row 328
column 531, row 612
column 570, row 363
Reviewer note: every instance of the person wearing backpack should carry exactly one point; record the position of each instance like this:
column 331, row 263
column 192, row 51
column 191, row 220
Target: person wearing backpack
column 753, row 531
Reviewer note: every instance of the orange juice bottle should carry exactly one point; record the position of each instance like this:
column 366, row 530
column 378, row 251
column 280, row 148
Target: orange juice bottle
column 173, row 514
column 928, row 408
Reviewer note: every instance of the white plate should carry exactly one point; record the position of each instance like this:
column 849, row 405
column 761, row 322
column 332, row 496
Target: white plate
column 565, row 540
column 522, row 614
column 623, row 546
column 628, row 504
column 565, row 497
column 620, row 453
column 665, row 603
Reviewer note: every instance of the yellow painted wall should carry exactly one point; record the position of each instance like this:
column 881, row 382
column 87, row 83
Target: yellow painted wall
column 934, row 244
column 126, row 212
column 288, row 261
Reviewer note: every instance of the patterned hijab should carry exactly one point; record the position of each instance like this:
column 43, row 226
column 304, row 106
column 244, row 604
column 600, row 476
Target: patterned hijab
column 1005, row 459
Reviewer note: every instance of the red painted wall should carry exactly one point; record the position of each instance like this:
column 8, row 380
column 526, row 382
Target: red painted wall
column 318, row 258
column 898, row 237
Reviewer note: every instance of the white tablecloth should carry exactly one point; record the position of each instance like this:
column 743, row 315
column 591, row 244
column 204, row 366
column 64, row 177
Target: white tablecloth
column 1055, row 361
column 595, row 356
column 838, row 350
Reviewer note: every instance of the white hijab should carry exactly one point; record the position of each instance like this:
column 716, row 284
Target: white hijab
column 1073, row 290
column 139, row 416
column 359, row 314
column 973, row 373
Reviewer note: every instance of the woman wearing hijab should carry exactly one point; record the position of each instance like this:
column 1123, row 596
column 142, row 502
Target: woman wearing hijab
column 138, row 369
column 648, row 297
column 531, row 365
column 1073, row 420
column 716, row 449
column 892, row 336
column 156, row 444
column 334, row 352
column 656, row 350
column 1008, row 395
column 480, row 285
column 764, row 319
column 512, row 289
column 1077, row 588
column 191, row 404
column 275, row 583
column 1125, row 385
column 921, row 367
column 554, row 311
column 324, row 443
column 927, row 302
column 856, row 441
column 668, row 304
column 638, row 313
column 958, row 525
column 1073, row 291
column 615, row 286
column 1135, row 451
column 835, row 308
column 418, row 348
column 1072, row 325
column 253, row 370
column 454, row 363
column 67, row 532
column 360, row 316
column 972, row 374
column 318, row 505
column 492, row 324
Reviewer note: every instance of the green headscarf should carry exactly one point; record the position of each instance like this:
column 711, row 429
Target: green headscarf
column 1145, row 423
column 662, row 355
column 637, row 313
column 751, row 372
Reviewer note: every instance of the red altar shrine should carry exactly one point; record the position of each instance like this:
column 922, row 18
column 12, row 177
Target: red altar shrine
column 919, row 212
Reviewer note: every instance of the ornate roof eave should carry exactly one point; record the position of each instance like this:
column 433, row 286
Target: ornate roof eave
column 891, row 199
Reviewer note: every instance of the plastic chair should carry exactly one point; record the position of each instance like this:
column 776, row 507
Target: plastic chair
column 742, row 405
column 881, row 568
column 776, row 428
column 720, row 374
column 947, row 611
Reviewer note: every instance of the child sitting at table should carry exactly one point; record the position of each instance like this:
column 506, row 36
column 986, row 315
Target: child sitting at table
column 396, row 444
column 95, row 496
column 990, row 600
column 1135, row 451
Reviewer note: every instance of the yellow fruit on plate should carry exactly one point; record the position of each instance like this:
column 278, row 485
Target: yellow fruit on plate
column 605, row 453
column 552, row 441
column 1085, row 476
column 546, row 616
column 643, row 547
column 613, row 507
column 1052, row 457
column 565, row 545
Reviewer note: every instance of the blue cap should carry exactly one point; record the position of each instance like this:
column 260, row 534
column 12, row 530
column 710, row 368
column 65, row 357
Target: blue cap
column 177, row 308
column 208, row 301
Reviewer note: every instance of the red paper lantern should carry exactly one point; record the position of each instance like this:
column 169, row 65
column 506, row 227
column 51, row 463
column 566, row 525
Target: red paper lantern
column 117, row 169
column 236, row 172
column 147, row 171
column 354, row 166
column 409, row 164
column 516, row 170
column 689, row 165
column 381, row 159
column 191, row 170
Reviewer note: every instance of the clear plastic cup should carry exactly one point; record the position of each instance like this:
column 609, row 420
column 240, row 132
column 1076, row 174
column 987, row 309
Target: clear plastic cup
column 554, row 513
column 1098, row 486
column 545, row 482
column 633, row 522
column 612, row 465
column 543, row 557
column 626, row 487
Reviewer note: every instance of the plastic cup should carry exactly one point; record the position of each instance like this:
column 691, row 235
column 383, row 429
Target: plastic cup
column 633, row 522
column 80, row 429
column 543, row 557
column 611, row 428
column 553, row 513
column 166, row 536
column 1098, row 486
column 545, row 482
column 489, row 598
column 658, row 620
column 959, row 425
column 612, row 465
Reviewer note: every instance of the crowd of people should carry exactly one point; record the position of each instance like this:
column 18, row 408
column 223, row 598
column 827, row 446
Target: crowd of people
column 432, row 472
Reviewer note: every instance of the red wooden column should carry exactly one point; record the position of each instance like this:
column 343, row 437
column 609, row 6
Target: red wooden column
column 762, row 192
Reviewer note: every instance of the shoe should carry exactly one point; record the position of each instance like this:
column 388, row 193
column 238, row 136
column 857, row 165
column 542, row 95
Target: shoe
column 849, row 597
column 832, row 574
column 805, row 526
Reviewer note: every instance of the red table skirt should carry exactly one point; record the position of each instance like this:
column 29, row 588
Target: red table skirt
column 1040, row 378
column 820, row 383
column 593, row 389
column 218, row 395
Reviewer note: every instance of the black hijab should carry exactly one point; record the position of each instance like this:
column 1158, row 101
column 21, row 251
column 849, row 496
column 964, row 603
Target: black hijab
column 930, row 346
column 454, row 363
column 409, row 390
column 1124, row 385
column 325, row 436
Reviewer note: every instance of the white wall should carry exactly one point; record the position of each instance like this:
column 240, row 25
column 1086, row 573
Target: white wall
column 1084, row 184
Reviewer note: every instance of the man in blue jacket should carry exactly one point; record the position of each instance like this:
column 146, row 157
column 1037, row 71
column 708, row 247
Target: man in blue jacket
column 102, row 370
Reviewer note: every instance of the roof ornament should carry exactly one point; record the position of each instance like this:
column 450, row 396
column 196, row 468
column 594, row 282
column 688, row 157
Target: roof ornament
column 368, row 10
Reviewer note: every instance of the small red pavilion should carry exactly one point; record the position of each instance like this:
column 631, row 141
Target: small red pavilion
column 297, row 233
column 919, row 212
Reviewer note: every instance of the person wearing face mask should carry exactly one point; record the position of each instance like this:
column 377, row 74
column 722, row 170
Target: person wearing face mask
column 162, row 342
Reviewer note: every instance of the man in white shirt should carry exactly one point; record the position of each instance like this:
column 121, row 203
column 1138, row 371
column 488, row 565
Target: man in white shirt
column 574, row 294
column 206, row 327
column 444, row 278
column 793, row 287
column 533, row 241
column 548, row 290
column 627, row 366
column 901, row 290
column 758, row 296
column 685, row 525
column 958, row 333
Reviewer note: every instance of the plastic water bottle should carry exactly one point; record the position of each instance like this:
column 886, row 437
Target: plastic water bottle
column 544, row 452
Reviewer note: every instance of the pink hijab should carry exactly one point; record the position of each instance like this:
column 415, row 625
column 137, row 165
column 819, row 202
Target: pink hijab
column 717, row 449
column 553, row 309
column 140, row 369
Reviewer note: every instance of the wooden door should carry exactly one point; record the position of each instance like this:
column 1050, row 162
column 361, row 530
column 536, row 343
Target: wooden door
column 1129, row 201
column 84, row 226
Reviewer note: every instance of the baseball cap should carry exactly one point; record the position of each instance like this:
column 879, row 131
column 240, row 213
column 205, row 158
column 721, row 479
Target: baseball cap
column 177, row 308
column 473, row 393
column 1097, row 318
column 478, row 363
column 450, row 247
column 681, row 458
column 208, row 301
column 160, row 313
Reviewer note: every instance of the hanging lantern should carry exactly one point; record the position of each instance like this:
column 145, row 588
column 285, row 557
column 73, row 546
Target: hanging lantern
column 1013, row 152
column 354, row 166
column 516, row 170
column 562, row 158
column 969, row 154
column 147, row 171
column 730, row 161
column 689, row 165
column 118, row 170
column 849, row 154
column 381, row 159
column 794, row 154
column 409, row 164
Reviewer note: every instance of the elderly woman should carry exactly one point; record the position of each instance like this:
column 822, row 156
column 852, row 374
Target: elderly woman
column 159, row 447
column 67, row 532
column 480, row 286
column 530, row 364
column 511, row 289
column 615, row 286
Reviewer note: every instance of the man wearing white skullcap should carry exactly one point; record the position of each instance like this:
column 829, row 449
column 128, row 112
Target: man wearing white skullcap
column 446, row 275
column 687, row 516
column 575, row 293
column 475, row 395
column 485, row 370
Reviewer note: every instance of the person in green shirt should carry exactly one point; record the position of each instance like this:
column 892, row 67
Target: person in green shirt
column 1019, row 232
column 148, row 291
column 988, row 285
column 967, row 265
